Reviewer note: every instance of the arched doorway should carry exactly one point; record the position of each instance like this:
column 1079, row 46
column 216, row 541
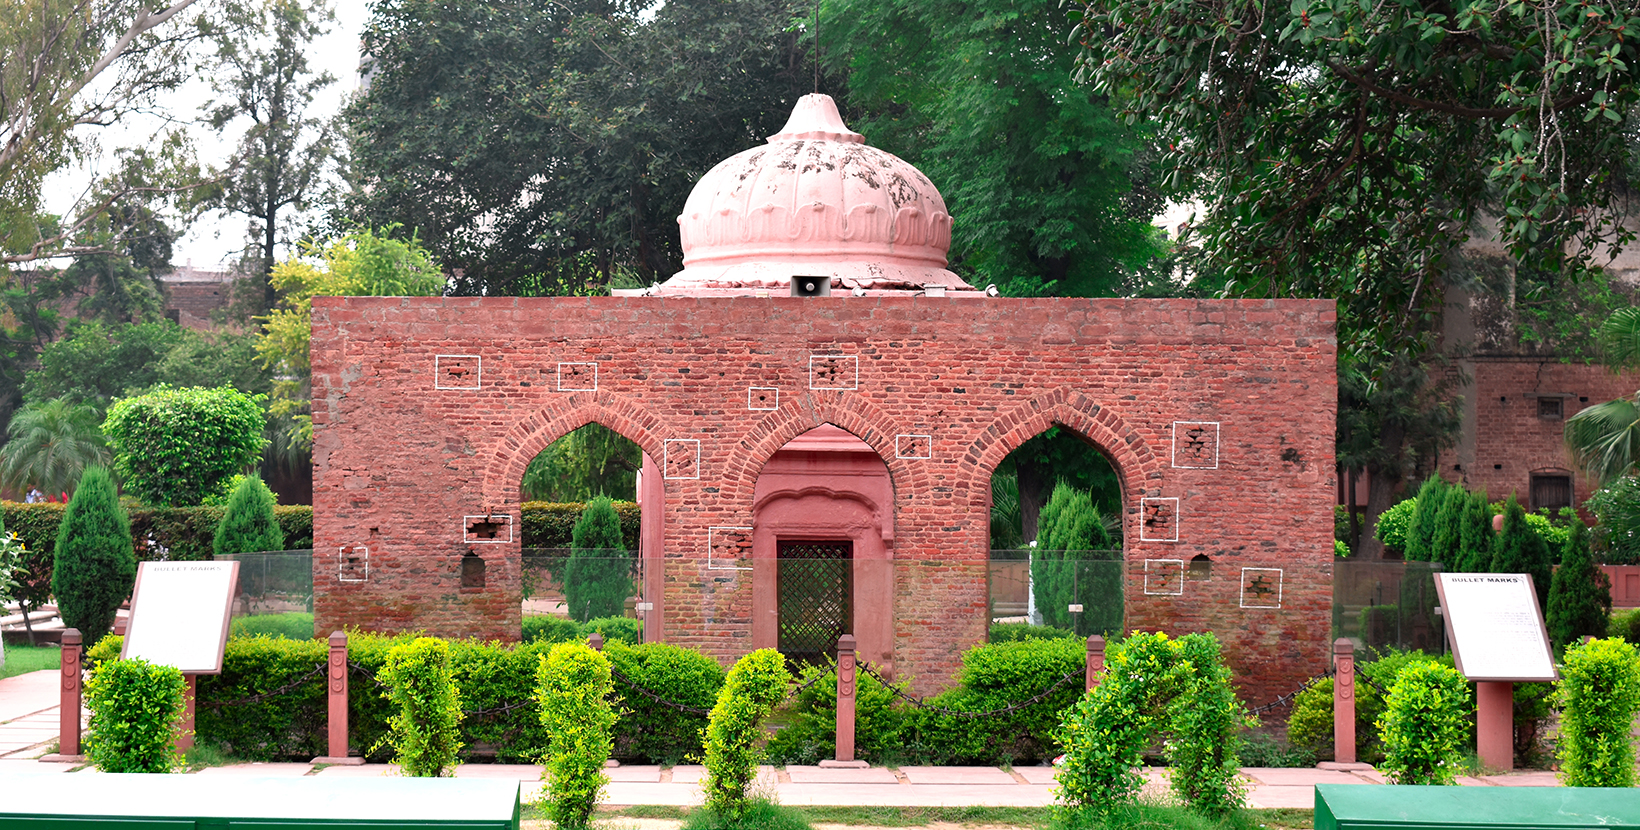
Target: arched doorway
column 1057, row 535
column 823, row 547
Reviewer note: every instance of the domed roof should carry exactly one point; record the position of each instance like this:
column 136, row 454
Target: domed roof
column 816, row 201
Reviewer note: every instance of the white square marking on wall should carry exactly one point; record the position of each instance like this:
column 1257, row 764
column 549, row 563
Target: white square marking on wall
column 839, row 372
column 681, row 459
column 727, row 545
column 577, row 377
column 1196, row 445
column 1261, row 587
column 494, row 528
column 1158, row 519
column 457, row 371
column 913, row 446
column 762, row 398
column 1164, row 577
column 353, row 563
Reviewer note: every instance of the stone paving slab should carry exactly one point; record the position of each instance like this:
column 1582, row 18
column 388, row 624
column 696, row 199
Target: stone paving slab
column 1036, row 775
column 1524, row 778
column 26, row 694
column 966, row 776
column 261, row 769
column 508, row 772
column 623, row 793
column 359, row 771
column 688, row 774
column 30, row 767
column 635, row 774
column 1279, row 777
column 1271, row 797
column 826, row 775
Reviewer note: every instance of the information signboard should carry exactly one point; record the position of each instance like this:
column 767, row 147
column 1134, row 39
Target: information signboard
column 1495, row 627
column 180, row 613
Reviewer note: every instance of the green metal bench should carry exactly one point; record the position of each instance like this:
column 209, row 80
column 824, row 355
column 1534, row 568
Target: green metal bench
column 80, row 801
column 1376, row 806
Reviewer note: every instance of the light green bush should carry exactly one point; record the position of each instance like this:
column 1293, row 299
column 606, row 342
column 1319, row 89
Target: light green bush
column 1424, row 724
column 425, row 732
column 624, row 629
column 754, row 686
column 1599, row 694
column 1154, row 685
column 572, row 686
column 174, row 447
column 136, row 709
column 1391, row 528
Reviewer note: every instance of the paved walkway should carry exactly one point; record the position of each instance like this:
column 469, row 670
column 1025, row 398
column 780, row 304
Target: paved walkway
column 28, row 725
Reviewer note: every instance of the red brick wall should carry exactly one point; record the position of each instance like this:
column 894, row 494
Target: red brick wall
column 397, row 462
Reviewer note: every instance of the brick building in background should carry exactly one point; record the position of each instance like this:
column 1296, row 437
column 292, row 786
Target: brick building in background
column 816, row 377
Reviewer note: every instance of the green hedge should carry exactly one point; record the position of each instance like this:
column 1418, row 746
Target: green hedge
column 550, row 524
column 491, row 676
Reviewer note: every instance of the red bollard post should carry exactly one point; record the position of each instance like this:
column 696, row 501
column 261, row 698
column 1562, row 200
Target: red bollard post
column 68, row 701
column 1344, row 701
column 846, row 667
column 1096, row 659
column 336, row 701
column 596, row 640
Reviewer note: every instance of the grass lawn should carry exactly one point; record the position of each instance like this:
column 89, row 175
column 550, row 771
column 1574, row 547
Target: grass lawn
column 24, row 659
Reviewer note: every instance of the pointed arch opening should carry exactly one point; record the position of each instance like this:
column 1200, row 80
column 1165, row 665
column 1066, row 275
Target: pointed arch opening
column 1056, row 530
column 823, row 548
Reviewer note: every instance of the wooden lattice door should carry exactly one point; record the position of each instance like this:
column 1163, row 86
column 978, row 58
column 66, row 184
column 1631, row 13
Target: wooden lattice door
column 816, row 598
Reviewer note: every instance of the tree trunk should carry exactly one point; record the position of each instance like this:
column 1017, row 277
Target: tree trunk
column 1032, row 481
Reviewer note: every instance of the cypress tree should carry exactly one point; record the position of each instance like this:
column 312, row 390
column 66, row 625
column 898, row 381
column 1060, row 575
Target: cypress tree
column 1520, row 550
column 94, row 568
column 597, row 577
column 1475, row 538
column 1421, row 529
column 1446, row 543
column 248, row 525
column 1069, row 527
column 1580, row 595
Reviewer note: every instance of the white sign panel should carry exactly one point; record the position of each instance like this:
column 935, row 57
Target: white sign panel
column 179, row 614
column 1496, row 628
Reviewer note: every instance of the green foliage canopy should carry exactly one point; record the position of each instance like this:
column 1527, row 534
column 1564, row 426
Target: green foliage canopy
column 1424, row 724
column 425, row 731
column 591, row 461
column 755, row 684
column 176, row 446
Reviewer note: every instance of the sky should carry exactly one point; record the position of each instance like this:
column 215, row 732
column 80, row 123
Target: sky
column 215, row 239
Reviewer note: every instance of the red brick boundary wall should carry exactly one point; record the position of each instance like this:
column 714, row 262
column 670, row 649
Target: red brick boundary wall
column 1218, row 416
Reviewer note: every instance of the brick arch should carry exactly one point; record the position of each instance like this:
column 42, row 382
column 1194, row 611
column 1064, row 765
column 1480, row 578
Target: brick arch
column 1137, row 467
column 851, row 412
column 528, row 436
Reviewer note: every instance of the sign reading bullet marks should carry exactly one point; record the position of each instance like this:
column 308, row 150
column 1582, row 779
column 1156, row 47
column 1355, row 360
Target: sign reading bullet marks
column 1158, row 519
column 727, row 546
column 838, row 372
column 353, row 563
column 487, row 529
column 913, row 446
column 1164, row 577
column 1261, row 587
column 577, row 377
column 762, row 398
column 682, row 458
column 1196, row 445
column 457, row 371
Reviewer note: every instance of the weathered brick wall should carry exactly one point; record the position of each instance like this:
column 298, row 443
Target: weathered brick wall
column 942, row 388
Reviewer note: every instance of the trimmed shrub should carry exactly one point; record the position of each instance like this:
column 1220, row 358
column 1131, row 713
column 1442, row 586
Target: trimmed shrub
column 1519, row 549
column 1310, row 724
column 94, row 569
column 1015, row 632
column 1625, row 625
column 1599, row 694
column 546, row 629
column 174, row 447
column 1154, row 685
column 1475, row 538
column 596, row 579
column 1421, row 527
column 1391, row 527
column 1424, row 724
column 1580, row 594
column 136, row 711
column 624, row 629
column 183, row 533
column 650, row 730
column 248, row 524
column 552, row 524
column 571, row 685
column 425, row 733
column 750, row 692
column 995, row 677
column 810, row 736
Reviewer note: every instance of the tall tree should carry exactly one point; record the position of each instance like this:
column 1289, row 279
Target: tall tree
column 1475, row 538
column 546, row 147
column 1050, row 189
column 591, row 461
column 260, row 74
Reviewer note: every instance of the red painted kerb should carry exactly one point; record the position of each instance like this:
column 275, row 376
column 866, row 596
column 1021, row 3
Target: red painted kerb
column 1218, row 416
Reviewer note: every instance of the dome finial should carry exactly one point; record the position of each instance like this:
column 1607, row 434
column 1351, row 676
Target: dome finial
column 816, row 118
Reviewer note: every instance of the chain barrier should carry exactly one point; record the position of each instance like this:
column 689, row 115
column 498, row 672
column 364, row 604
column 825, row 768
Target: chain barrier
column 808, row 684
column 318, row 670
column 1367, row 679
column 1006, row 710
column 1286, row 699
column 359, row 669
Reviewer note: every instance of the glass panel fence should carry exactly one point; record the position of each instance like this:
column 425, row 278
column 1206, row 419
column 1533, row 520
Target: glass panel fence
column 1388, row 604
column 275, row 593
